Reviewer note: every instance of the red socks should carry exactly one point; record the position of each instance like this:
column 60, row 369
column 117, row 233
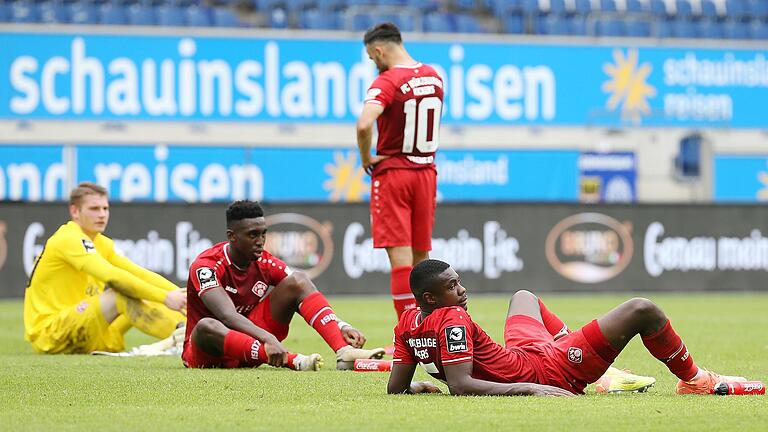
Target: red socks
column 400, row 287
column 318, row 314
column 552, row 322
column 667, row 346
column 240, row 346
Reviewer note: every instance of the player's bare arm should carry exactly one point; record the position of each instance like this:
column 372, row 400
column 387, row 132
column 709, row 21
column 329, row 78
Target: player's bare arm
column 400, row 381
column 218, row 302
column 365, row 134
column 461, row 382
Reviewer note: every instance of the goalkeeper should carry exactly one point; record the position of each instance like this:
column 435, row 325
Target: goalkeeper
column 82, row 296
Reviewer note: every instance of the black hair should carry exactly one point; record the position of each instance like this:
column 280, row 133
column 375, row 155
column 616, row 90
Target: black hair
column 244, row 209
column 423, row 276
column 384, row 32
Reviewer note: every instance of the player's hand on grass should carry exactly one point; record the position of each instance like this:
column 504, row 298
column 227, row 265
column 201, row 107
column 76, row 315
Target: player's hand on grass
column 353, row 336
column 277, row 355
column 177, row 300
column 424, row 387
column 545, row 390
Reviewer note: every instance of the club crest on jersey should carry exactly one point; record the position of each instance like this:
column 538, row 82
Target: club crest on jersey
column 207, row 278
column 88, row 245
column 456, row 338
column 574, row 355
column 260, row 288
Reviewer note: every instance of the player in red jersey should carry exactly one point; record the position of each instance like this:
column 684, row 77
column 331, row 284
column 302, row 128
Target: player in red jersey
column 240, row 301
column 405, row 102
column 442, row 337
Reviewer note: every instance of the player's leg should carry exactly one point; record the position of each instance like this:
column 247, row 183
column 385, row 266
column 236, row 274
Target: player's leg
column 151, row 318
column 524, row 324
column 401, row 260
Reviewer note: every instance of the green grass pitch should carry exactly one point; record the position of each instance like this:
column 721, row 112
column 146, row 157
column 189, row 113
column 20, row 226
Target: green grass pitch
column 727, row 333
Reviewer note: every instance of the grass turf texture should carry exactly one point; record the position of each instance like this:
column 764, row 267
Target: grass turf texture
column 74, row 392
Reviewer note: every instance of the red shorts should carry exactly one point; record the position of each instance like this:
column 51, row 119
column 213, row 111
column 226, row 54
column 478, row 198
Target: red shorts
column 261, row 315
column 403, row 208
column 569, row 363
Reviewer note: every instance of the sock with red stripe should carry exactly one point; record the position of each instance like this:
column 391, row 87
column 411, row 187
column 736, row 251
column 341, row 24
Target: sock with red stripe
column 552, row 322
column 318, row 314
column 667, row 346
column 400, row 286
column 240, row 346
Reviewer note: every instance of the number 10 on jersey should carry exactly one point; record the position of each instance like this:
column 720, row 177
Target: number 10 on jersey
column 428, row 112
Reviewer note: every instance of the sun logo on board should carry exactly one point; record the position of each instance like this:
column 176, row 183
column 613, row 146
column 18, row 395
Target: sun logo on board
column 347, row 178
column 627, row 85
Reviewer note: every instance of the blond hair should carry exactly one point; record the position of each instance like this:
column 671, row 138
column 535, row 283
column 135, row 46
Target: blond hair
column 83, row 189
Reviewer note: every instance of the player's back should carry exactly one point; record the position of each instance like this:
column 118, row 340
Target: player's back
column 412, row 97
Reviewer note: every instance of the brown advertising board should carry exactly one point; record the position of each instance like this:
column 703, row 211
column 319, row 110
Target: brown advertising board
column 495, row 248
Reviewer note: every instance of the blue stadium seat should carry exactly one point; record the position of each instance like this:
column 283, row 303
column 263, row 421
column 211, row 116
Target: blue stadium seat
column 659, row 8
column 708, row 9
column 224, row 17
column 711, row 30
column 112, row 14
column 53, row 13
column 468, row 24
column 578, row 25
column 665, row 28
column 737, row 9
column 331, row 5
column 530, row 7
column 5, row 12
column 438, row 23
column 684, row 9
column 759, row 10
column 24, row 13
column 405, row 22
column 607, row 6
column 299, row 5
column 198, row 16
column 514, row 24
column 682, row 28
column 83, row 13
column 610, row 27
column 428, row 5
column 759, row 31
column 465, row 5
column 316, row 19
column 638, row 28
column 558, row 7
column 360, row 22
column 582, row 7
column 737, row 30
column 635, row 6
column 170, row 16
column 555, row 25
column 141, row 15
column 277, row 18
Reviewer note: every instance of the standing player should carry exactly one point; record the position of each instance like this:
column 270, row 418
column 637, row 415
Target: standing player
column 406, row 102
column 82, row 296
column 442, row 337
column 241, row 301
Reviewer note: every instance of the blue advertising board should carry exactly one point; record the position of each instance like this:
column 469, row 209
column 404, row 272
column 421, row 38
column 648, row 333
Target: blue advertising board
column 173, row 78
column 213, row 174
column 741, row 178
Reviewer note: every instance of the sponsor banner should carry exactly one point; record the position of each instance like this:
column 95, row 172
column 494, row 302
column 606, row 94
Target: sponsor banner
column 607, row 177
column 196, row 174
column 164, row 77
column 740, row 178
column 495, row 248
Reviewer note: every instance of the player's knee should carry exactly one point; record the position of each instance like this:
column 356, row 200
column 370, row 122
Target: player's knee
column 206, row 327
column 524, row 294
column 644, row 308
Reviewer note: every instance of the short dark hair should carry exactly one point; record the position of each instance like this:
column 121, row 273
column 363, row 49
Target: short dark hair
column 243, row 209
column 424, row 274
column 385, row 32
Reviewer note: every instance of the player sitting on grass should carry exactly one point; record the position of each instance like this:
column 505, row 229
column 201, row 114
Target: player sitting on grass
column 241, row 300
column 442, row 337
column 83, row 296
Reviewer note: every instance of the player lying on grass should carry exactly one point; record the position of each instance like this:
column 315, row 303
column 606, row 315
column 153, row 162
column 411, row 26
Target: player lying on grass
column 82, row 296
column 442, row 337
column 241, row 300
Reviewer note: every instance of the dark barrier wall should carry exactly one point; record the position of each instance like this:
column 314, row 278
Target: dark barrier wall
column 495, row 248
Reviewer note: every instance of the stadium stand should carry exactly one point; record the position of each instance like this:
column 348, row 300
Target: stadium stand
column 729, row 19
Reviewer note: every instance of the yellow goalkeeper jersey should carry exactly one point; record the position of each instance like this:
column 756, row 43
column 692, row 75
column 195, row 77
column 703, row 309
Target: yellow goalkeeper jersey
column 73, row 267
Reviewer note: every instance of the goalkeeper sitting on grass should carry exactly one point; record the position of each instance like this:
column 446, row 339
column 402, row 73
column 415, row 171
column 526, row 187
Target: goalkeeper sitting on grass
column 82, row 296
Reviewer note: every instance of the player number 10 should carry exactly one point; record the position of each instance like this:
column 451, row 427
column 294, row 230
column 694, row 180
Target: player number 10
column 426, row 107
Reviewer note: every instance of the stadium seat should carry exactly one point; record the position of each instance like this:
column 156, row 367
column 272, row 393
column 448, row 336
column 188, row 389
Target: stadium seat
column 635, row 6
column 711, row 30
column 578, row 25
column 83, row 13
column 426, row 6
column 331, row 5
column 141, row 15
column 514, row 24
column 582, row 7
column 170, row 16
column 464, row 5
column 555, row 25
column 53, row 13
column 530, row 7
column 708, row 9
column 112, row 14
column 198, row 16
column 737, row 30
column 468, row 24
column 682, row 28
column 5, row 12
column 658, row 8
column 438, row 23
column 610, row 28
column 558, row 7
column 759, row 10
column 317, row 19
column 759, row 31
column 737, row 9
column 607, row 5
column 359, row 21
column 405, row 22
column 639, row 28
column 683, row 9
column 24, row 13
column 277, row 18
column 225, row 17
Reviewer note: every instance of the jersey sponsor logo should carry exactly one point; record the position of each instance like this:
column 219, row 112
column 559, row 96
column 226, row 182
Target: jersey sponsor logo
column 255, row 349
column 456, row 338
column 575, row 355
column 88, row 245
column 259, row 288
column 206, row 278
column 230, row 289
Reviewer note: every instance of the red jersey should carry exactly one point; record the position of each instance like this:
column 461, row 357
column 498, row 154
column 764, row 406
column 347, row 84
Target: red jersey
column 449, row 336
column 412, row 97
column 213, row 268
